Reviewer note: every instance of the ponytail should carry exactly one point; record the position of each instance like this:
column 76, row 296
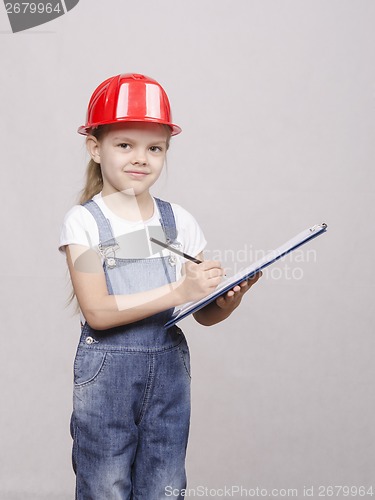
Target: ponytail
column 94, row 182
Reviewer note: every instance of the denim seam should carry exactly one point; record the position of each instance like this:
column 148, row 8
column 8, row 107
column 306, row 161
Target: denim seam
column 150, row 350
column 147, row 393
column 75, row 447
column 183, row 360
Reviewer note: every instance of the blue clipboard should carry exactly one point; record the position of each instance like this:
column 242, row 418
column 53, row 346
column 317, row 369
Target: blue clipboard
column 248, row 272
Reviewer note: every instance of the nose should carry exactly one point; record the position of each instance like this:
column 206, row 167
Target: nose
column 139, row 157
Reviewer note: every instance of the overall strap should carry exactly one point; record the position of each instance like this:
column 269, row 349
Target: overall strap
column 106, row 238
column 167, row 220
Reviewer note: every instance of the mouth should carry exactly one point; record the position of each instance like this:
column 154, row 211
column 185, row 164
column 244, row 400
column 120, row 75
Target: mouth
column 136, row 173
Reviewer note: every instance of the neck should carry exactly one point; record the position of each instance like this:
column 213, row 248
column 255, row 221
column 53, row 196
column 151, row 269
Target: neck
column 128, row 205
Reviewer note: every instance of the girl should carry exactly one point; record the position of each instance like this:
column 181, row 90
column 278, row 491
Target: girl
column 131, row 405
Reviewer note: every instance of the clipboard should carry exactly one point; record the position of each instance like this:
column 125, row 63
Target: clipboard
column 227, row 284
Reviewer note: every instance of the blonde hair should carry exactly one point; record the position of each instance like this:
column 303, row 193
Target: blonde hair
column 94, row 179
column 94, row 184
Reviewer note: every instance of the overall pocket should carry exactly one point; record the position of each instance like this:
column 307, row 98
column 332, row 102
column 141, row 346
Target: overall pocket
column 88, row 365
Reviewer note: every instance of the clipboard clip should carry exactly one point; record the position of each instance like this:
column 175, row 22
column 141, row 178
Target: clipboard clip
column 318, row 226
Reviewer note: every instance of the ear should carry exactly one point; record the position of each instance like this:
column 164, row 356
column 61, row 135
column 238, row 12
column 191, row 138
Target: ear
column 93, row 148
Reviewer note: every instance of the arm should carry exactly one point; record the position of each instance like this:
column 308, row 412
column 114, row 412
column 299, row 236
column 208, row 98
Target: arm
column 103, row 310
column 224, row 305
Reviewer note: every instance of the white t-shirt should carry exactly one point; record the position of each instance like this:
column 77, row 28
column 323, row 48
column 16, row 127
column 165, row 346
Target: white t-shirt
column 79, row 227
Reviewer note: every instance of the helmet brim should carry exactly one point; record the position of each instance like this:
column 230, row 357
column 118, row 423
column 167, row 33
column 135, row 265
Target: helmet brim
column 87, row 129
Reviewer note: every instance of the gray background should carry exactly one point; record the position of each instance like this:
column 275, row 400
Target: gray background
column 276, row 102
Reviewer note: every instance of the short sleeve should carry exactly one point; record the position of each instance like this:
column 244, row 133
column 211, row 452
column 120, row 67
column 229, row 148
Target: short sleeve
column 78, row 227
column 190, row 234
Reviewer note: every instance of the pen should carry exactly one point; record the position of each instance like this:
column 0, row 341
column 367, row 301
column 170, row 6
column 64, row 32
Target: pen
column 164, row 245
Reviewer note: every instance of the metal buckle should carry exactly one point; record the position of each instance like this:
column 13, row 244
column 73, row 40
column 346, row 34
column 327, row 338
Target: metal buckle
column 109, row 254
column 172, row 259
column 90, row 340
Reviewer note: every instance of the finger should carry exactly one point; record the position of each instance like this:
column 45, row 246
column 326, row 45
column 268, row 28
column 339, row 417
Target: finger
column 210, row 264
column 254, row 278
column 229, row 297
column 215, row 273
column 222, row 301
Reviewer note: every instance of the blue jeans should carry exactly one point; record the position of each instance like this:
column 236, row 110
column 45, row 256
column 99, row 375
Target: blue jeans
column 130, row 422
column 131, row 401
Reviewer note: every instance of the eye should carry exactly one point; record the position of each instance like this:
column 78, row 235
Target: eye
column 124, row 145
column 156, row 149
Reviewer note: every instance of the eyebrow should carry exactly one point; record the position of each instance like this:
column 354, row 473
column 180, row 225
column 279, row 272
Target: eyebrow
column 124, row 138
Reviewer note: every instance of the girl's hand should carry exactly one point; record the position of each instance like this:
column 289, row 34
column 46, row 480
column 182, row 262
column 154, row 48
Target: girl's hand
column 232, row 299
column 200, row 279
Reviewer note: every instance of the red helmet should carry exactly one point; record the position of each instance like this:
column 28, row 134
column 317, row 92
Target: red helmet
column 128, row 98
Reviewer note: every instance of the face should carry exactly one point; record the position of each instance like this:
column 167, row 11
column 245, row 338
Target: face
column 131, row 156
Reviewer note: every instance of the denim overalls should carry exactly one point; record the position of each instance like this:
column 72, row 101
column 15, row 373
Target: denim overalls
column 131, row 402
